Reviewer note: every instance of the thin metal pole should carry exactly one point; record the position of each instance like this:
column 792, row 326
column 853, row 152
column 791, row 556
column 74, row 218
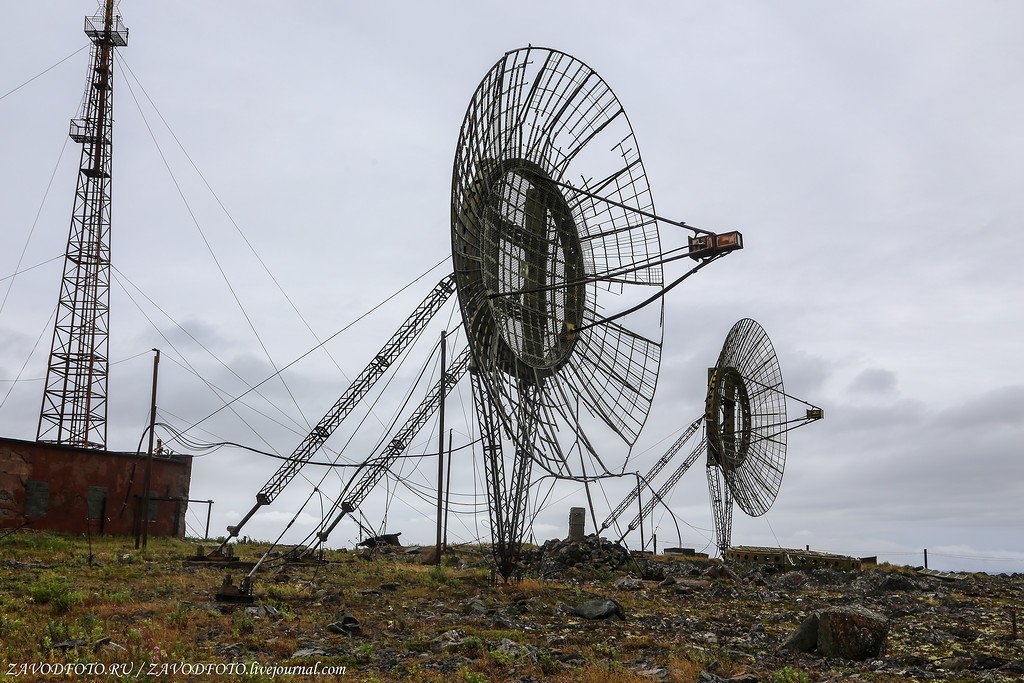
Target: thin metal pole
column 209, row 509
column 926, row 558
column 149, row 457
column 440, row 454
column 447, row 488
column 640, row 504
column 590, row 500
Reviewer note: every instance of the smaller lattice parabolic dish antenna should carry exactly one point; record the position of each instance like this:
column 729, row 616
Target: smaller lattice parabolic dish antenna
column 744, row 433
column 745, row 415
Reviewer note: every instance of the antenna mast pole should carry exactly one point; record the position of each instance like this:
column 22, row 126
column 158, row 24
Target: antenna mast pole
column 74, row 407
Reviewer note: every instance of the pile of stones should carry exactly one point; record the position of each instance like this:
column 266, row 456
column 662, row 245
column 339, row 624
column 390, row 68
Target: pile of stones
column 591, row 553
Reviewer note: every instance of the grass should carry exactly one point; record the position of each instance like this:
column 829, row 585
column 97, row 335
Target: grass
column 154, row 608
column 55, row 590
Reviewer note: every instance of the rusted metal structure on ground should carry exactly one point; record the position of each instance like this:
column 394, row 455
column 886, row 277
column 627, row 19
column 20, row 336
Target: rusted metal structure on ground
column 791, row 558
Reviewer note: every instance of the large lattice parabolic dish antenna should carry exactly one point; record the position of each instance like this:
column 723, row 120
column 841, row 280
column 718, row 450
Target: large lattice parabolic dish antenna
column 531, row 256
column 556, row 250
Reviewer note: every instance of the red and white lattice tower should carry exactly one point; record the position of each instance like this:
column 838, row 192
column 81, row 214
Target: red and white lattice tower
column 74, row 410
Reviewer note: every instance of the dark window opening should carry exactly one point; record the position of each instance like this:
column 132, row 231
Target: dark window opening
column 37, row 498
column 97, row 502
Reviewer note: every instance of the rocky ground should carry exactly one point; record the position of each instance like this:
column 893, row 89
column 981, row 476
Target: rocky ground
column 584, row 611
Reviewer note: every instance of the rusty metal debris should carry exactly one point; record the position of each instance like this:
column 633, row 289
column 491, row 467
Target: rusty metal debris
column 242, row 593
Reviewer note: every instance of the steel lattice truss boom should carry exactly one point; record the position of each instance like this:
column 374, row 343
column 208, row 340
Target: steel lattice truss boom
column 359, row 388
column 666, row 487
column 631, row 497
column 374, row 469
column 74, row 406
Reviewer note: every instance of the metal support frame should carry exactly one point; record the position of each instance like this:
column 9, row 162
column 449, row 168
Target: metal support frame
column 373, row 470
column 359, row 388
column 721, row 506
column 663, row 490
column 367, row 476
column 507, row 499
column 656, row 469
column 74, row 404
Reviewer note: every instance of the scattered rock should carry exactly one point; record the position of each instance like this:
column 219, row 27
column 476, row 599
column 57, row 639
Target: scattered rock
column 234, row 650
column 656, row 673
column 898, row 582
column 831, row 577
column 308, row 651
column 592, row 553
column 107, row 646
column 720, row 571
column 599, row 608
column 708, row 677
column 475, row 606
column 1016, row 667
column 264, row 611
column 724, row 592
column 987, row 661
column 520, row 651
column 563, row 610
column 845, row 632
column 793, row 579
column 345, row 623
column 805, row 638
column 692, row 584
column 451, row 639
column 745, row 677
column 69, row 644
column 964, row 633
column 629, row 583
column 14, row 564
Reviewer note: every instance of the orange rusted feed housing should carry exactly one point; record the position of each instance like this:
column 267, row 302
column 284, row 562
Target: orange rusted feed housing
column 706, row 246
column 79, row 490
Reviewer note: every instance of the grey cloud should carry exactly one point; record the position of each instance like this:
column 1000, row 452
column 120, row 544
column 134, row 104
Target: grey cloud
column 874, row 381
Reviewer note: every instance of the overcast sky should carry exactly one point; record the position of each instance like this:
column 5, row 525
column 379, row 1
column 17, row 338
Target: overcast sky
column 871, row 153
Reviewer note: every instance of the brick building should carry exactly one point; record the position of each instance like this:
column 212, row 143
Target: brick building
column 69, row 489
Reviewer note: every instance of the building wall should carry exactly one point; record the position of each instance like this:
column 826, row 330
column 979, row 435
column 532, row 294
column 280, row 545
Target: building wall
column 69, row 489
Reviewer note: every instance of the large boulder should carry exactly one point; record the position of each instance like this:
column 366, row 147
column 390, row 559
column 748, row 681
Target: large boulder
column 852, row 633
column 805, row 637
column 844, row 632
column 600, row 608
